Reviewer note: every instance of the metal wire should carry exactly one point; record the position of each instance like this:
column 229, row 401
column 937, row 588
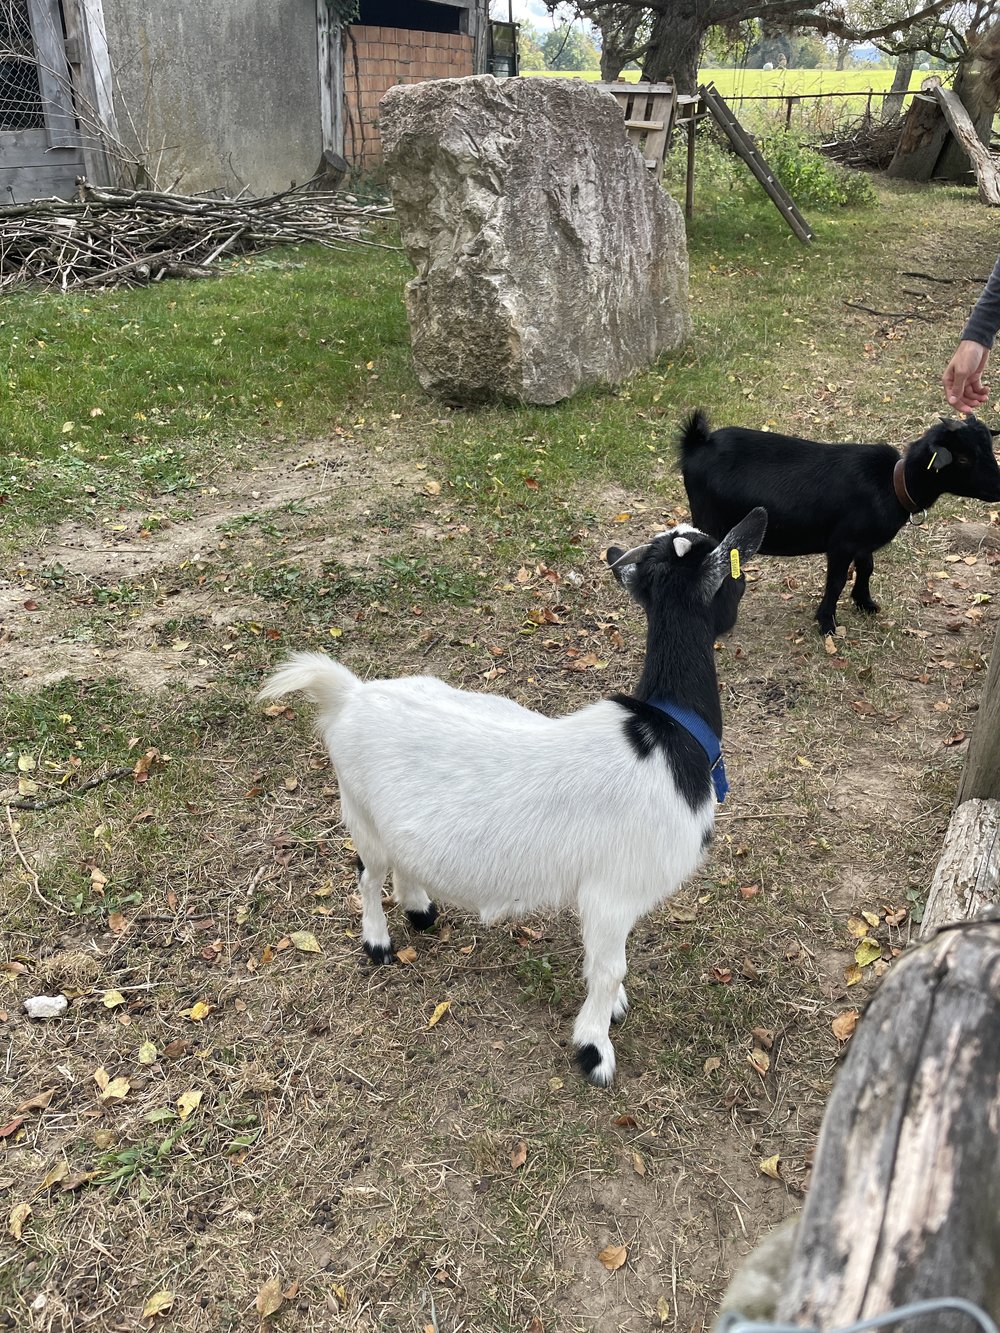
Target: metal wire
column 736, row 1323
column 20, row 92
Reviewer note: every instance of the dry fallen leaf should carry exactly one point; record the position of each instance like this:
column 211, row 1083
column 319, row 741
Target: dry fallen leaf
column 759, row 1060
column 269, row 1298
column 188, row 1102
column 111, row 999
column 852, row 974
column 55, row 1176
column 769, row 1166
column 613, row 1257
column 305, row 941
column 37, row 1103
column 638, row 1165
column 198, row 1012
column 866, row 952
column 712, row 1064
column 857, row 927
column 407, row 955
column 159, row 1303
column 116, row 1090
column 147, row 1053
column 439, row 1012
column 19, row 1214
column 844, row 1024
column 519, row 1155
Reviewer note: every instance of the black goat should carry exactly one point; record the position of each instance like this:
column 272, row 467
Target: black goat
column 842, row 500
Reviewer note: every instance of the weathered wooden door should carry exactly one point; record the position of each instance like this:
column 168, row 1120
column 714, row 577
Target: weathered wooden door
column 40, row 152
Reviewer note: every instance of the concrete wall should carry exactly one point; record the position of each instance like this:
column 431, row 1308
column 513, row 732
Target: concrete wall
column 377, row 58
column 218, row 94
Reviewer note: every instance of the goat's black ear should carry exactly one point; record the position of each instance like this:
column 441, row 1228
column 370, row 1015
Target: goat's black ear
column 940, row 458
column 742, row 543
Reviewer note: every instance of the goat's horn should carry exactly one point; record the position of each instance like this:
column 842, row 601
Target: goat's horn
column 630, row 557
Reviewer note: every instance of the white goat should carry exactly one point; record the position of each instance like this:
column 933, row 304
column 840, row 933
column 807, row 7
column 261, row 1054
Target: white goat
column 501, row 811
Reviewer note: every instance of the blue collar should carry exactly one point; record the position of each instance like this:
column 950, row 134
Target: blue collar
column 705, row 737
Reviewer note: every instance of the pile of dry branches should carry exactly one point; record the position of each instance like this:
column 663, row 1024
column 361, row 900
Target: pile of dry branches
column 866, row 143
column 109, row 237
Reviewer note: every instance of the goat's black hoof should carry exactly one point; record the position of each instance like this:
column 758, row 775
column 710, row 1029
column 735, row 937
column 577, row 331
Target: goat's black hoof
column 828, row 627
column 425, row 919
column 379, row 953
column 597, row 1068
column 588, row 1058
column 868, row 608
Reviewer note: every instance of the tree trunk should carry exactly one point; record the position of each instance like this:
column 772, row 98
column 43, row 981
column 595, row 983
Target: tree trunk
column 977, row 86
column 922, row 140
column 981, row 774
column 674, row 48
column 843, row 47
column 965, row 133
column 618, row 36
column 892, row 105
column 903, row 1201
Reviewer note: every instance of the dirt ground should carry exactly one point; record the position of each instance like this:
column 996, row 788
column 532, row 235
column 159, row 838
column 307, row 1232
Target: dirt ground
column 238, row 1119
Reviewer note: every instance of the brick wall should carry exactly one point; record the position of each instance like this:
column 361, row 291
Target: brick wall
column 377, row 58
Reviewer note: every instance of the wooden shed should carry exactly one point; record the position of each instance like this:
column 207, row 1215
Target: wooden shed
column 233, row 96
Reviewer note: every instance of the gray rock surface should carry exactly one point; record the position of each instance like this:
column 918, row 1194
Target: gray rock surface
column 547, row 255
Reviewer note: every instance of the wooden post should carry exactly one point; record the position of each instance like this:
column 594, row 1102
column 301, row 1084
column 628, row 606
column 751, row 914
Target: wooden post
column 903, row 1203
column 689, row 183
column 981, row 775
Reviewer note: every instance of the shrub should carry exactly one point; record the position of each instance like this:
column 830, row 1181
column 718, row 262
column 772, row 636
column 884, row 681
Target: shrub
column 811, row 179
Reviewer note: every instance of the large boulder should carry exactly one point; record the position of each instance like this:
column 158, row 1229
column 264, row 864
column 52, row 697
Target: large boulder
column 547, row 255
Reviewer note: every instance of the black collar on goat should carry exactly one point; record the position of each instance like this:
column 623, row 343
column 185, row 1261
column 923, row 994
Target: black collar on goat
column 832, row 499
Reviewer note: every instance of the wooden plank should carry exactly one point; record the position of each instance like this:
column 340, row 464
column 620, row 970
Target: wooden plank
column 636, row 124
column 981, row 773
column 53, row 74
column 961, row 126
column 331, row 78
column 967, row 879
column 93, row 87
column 52, row 177
column 747, row 150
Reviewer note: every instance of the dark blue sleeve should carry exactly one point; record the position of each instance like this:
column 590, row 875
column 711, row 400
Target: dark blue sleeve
column 984, row 321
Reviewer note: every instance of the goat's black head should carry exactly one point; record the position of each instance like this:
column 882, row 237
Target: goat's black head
column 692, row 568
column 959, row 456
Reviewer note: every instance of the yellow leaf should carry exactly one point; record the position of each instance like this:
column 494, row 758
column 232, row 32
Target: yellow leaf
column 67, row 426
column 335, row 632
column 769, row 1166
column 852, row 974
column 866, row 952
column 101, row 1077
column 759, row 1060
column 844, row 1024
column 872, row 918
column 59, row 1172
column 112, row 999
column 433, row 488
column 857, row 927
column 159, row 1303
column 26, row 763
column 613, row 1257
column 19, row 1214
column 663, row 1311
column 305, row 941
column 439, row 1012
column 829, row 644
column 147, row 1053
column 116, row 1091
column 801, row 759
column 712, row 1064
column 269, row 1298
column 198, row 1012
column 26, row 787
column 188, row 1102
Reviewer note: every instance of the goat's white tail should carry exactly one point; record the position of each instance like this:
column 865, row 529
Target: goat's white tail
column 317, row 676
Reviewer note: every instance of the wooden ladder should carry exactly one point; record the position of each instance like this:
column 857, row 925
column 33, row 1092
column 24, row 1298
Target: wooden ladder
column 747, row 150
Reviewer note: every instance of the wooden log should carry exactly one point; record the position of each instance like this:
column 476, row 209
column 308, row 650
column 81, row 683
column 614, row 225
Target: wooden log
column 961, row 126
column 967, row 879
column 903, row 1204
column 981, row 774
column 922, row 141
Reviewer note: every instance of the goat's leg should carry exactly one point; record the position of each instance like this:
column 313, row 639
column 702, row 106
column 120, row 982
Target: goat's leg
column 414, row 901
column 374, row 927
column 861, row 595
column 604, row 939
column 837, row 565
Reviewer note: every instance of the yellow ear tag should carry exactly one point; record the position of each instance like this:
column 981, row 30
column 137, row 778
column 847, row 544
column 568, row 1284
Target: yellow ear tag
column 734, row 563
column 931, row 463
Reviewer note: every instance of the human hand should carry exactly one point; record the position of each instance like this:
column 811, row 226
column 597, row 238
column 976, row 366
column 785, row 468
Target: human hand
column 963, row 385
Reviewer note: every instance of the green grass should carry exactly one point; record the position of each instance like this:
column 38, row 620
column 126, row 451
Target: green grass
column 110, row 398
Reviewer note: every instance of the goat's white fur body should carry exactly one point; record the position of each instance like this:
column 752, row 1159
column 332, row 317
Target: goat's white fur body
column 503, row 812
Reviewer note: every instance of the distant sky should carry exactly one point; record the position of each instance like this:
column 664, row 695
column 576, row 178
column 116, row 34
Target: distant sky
column 525, row 11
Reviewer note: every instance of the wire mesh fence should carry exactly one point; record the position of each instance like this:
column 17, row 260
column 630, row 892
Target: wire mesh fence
column 20, row 92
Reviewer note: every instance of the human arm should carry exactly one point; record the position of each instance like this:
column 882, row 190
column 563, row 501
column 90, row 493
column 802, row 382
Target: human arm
column 963, row 384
